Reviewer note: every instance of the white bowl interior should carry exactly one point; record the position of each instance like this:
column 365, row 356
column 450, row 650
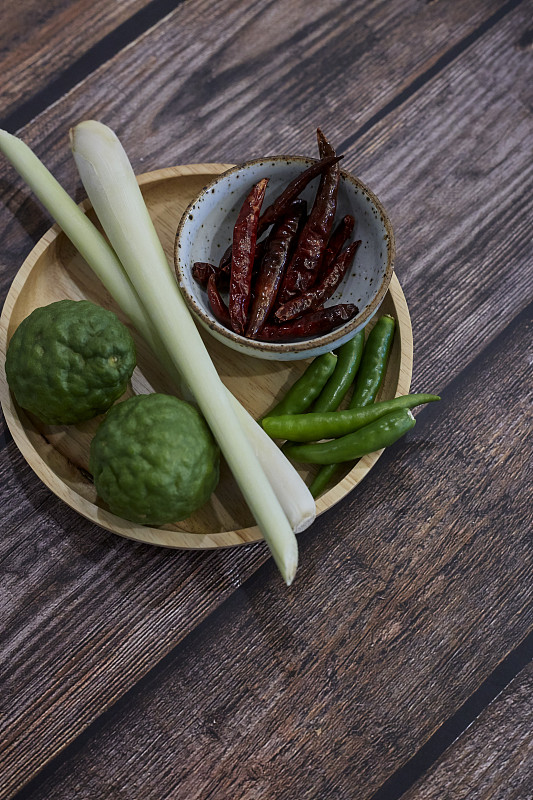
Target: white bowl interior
column 207, row 229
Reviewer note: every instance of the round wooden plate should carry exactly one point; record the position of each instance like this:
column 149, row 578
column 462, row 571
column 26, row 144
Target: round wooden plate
column 59, row 455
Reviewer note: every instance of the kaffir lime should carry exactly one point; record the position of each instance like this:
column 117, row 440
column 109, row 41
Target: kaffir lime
column 154, row 459
column 69, row 361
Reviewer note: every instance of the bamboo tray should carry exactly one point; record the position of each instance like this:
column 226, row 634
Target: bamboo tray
column 59, row 455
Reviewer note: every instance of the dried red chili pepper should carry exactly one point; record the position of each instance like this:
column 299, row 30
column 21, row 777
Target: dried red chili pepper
column 243, row 255
column 278, row 249
column 314, row 297
column 260, row 248
column 201, row 270
column 218, row 306
column 315, row 323
column 302, row 271
column 337, row 240
column 281, row 205
column 225, row 261
column 325, row 148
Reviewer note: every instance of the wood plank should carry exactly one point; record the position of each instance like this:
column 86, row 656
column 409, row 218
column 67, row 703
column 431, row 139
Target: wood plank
column 203, row 100
column 493, row 760
column 401, row 610
column 461, row 267
column 102, row 655
column 38, row 41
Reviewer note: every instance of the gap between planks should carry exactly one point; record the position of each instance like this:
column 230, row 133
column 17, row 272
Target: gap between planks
column 134, row 27
column 419, row 82
column 424, row 759
column 110, row 44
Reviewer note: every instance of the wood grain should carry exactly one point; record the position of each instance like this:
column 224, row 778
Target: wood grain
column 38, row 41
column 493, row 760
column 86, row 615
column 207, row 100
column 395, row 621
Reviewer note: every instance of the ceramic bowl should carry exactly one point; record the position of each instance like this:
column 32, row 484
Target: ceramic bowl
column 206, row 230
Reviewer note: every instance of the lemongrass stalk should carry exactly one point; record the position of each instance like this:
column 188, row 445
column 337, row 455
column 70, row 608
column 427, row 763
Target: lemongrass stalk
column 291, row 490
column 113, row 190
column 85, row 237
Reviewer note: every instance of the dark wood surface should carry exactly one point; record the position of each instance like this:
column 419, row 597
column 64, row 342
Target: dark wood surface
column 133, row 672
column 40, row 41
column 494, row 758
column 300, row 695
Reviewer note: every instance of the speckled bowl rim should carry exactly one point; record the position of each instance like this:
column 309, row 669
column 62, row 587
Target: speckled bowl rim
column 327, row 340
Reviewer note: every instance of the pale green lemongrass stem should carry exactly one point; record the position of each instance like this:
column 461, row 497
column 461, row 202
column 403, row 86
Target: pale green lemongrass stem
column 112, row 188
column 292, row 492
column 85, row 237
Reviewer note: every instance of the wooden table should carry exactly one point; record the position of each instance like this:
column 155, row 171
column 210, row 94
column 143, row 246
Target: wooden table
column 398, row 664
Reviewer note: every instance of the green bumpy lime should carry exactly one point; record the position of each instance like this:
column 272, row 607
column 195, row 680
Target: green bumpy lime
column 69, row 361
column 154, row 459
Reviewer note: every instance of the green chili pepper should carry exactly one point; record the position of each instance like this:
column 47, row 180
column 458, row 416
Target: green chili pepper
column 331, row 424
column 348, row 360
column 307, row 388
column 374, row 363
column 379, row 434
column 367, row 384
column 324, row 475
